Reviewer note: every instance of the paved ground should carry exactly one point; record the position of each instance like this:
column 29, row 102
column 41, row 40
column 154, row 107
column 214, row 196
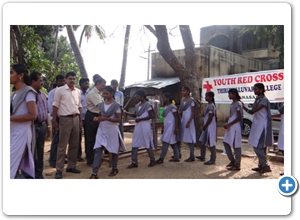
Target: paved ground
column 169, row 170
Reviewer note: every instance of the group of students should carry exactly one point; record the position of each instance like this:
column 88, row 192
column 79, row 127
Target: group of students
column 178, row 126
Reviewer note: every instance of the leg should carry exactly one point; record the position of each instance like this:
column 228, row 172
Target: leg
column 53, row 148
column 238, row 156
column 229, row 153
column 175, row 150
column 261, row 154
column 97, row 160
column 79, row 154
column 192, row 149
column 164, row 151
column 40, row 143
column 151, row 154
column 202, row 152
column 114, row 159
column 90, row 136
column 73, row 143
column 213, row 155
column 134, row 154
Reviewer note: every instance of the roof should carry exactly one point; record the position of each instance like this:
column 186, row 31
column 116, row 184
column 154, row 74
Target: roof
column 156, row 83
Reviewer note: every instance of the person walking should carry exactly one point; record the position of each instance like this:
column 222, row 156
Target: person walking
column 42, row 127
column 60, row 81
column 233, row 135
column 261, row 134
column 84, row 84
column 23, row 112
column 108, row 134
column 68, row 105
column 169, row 129
column 209, row 130
column 93, row 99
column 142, row 134
column 187, row 113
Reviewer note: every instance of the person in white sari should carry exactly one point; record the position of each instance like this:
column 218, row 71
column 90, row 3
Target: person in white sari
column 23, row 112
column 233, row 135
column 261, row 134
column 108, row 134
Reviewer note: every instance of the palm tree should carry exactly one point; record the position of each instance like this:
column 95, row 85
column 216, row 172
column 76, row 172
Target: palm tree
column 124, row 63
column 76, row 50
column 88, row 31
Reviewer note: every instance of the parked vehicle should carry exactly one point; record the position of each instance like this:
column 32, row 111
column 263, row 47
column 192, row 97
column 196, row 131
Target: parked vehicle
column 248, row 118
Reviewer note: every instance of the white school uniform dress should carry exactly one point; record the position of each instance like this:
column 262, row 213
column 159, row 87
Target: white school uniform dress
column 209, row 136
column 21, row 138
column 259, row 125
column 109, row 136
column 169, row 125
column 142, row 134
column 188, row 134
column 233, row 135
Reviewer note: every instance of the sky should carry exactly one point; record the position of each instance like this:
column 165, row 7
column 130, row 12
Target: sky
column 105, row 56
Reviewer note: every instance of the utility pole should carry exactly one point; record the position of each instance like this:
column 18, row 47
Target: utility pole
column 148, row 51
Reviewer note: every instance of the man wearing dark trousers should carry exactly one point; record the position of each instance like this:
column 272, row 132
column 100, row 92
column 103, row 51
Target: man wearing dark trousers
column 42, row 128
column 94, row 98
column 67, row 103
column 84, row 84
column 60, row 81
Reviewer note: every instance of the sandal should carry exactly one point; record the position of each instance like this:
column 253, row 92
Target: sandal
column 93, row 176
column 133, row 165
column 230, row 164
column 152, row 163
column 174, row 160
column 159, row 161
column 113, row 172
column 189, row 159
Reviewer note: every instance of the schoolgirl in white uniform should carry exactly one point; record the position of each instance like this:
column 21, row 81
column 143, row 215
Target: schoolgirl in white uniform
column 233, row 135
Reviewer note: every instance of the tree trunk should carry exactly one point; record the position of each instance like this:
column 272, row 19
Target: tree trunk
column 81, row 36
column 124, row 63
column 187, row 73
column 76, row 51
column 56, row 44
column 16, row 44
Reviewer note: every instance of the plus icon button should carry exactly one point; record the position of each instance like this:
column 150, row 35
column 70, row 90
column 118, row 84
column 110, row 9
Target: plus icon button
column 207, row 86
column 287, row 185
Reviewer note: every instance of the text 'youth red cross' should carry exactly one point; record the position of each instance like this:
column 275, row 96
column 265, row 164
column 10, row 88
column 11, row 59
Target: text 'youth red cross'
column 207, row 86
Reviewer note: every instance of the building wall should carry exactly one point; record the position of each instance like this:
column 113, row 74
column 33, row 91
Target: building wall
column 211, row 61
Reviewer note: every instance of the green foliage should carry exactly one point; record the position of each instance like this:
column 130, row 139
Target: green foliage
column 272, row 33
column 38, row 43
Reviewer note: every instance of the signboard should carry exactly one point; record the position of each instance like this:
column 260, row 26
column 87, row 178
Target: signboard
column 244, row 82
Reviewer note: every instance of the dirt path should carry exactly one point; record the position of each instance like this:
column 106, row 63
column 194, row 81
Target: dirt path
column 169, row 170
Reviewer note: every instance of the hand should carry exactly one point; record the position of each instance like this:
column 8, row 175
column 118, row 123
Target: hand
column 187, row 125
column 96, row 119
column 162, row 130
column 175, row 131
column 54, row 126
column 138, row 120
column 48, row 132
column 204, row 128
column 226, row 126
column 80, row 126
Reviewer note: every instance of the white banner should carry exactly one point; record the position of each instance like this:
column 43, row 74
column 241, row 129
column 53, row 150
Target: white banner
column 244, row 82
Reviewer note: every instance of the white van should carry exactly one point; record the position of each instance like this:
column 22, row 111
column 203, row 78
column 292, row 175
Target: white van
column 248, row 118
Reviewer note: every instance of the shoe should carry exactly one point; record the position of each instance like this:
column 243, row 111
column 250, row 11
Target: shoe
column 58, row 175
column 72, row 170
column 159, row 161
column 265, row 170
column 53, row 165
column 200, row 158
column 80, row 160
column 233, row 168
column 93, row 176
column 66, row 161
column 133, row 165
column 257, row 169
column 174, row 160
column 179, row 156
column 189, row 160
column 113, row 172
column 151, row 164
column 209, row 163
column 230, row 164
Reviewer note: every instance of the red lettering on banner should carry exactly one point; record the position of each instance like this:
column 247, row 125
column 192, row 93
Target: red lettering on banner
column 240, row 80
column 257, row 78
column 269, row 77
column 280, row 76
column 275, row 77
column 207, row 86
column 262, row 78
column 215, row 82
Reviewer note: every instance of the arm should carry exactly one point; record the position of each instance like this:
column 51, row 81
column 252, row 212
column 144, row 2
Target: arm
column 238, row 118
column 192, row 116
column 176, row 122
column 276, row 116
column 150, row 116
column 130, row 114
column 30, row 116
column 210, row 117
column 54, row 122
column 80, row 119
